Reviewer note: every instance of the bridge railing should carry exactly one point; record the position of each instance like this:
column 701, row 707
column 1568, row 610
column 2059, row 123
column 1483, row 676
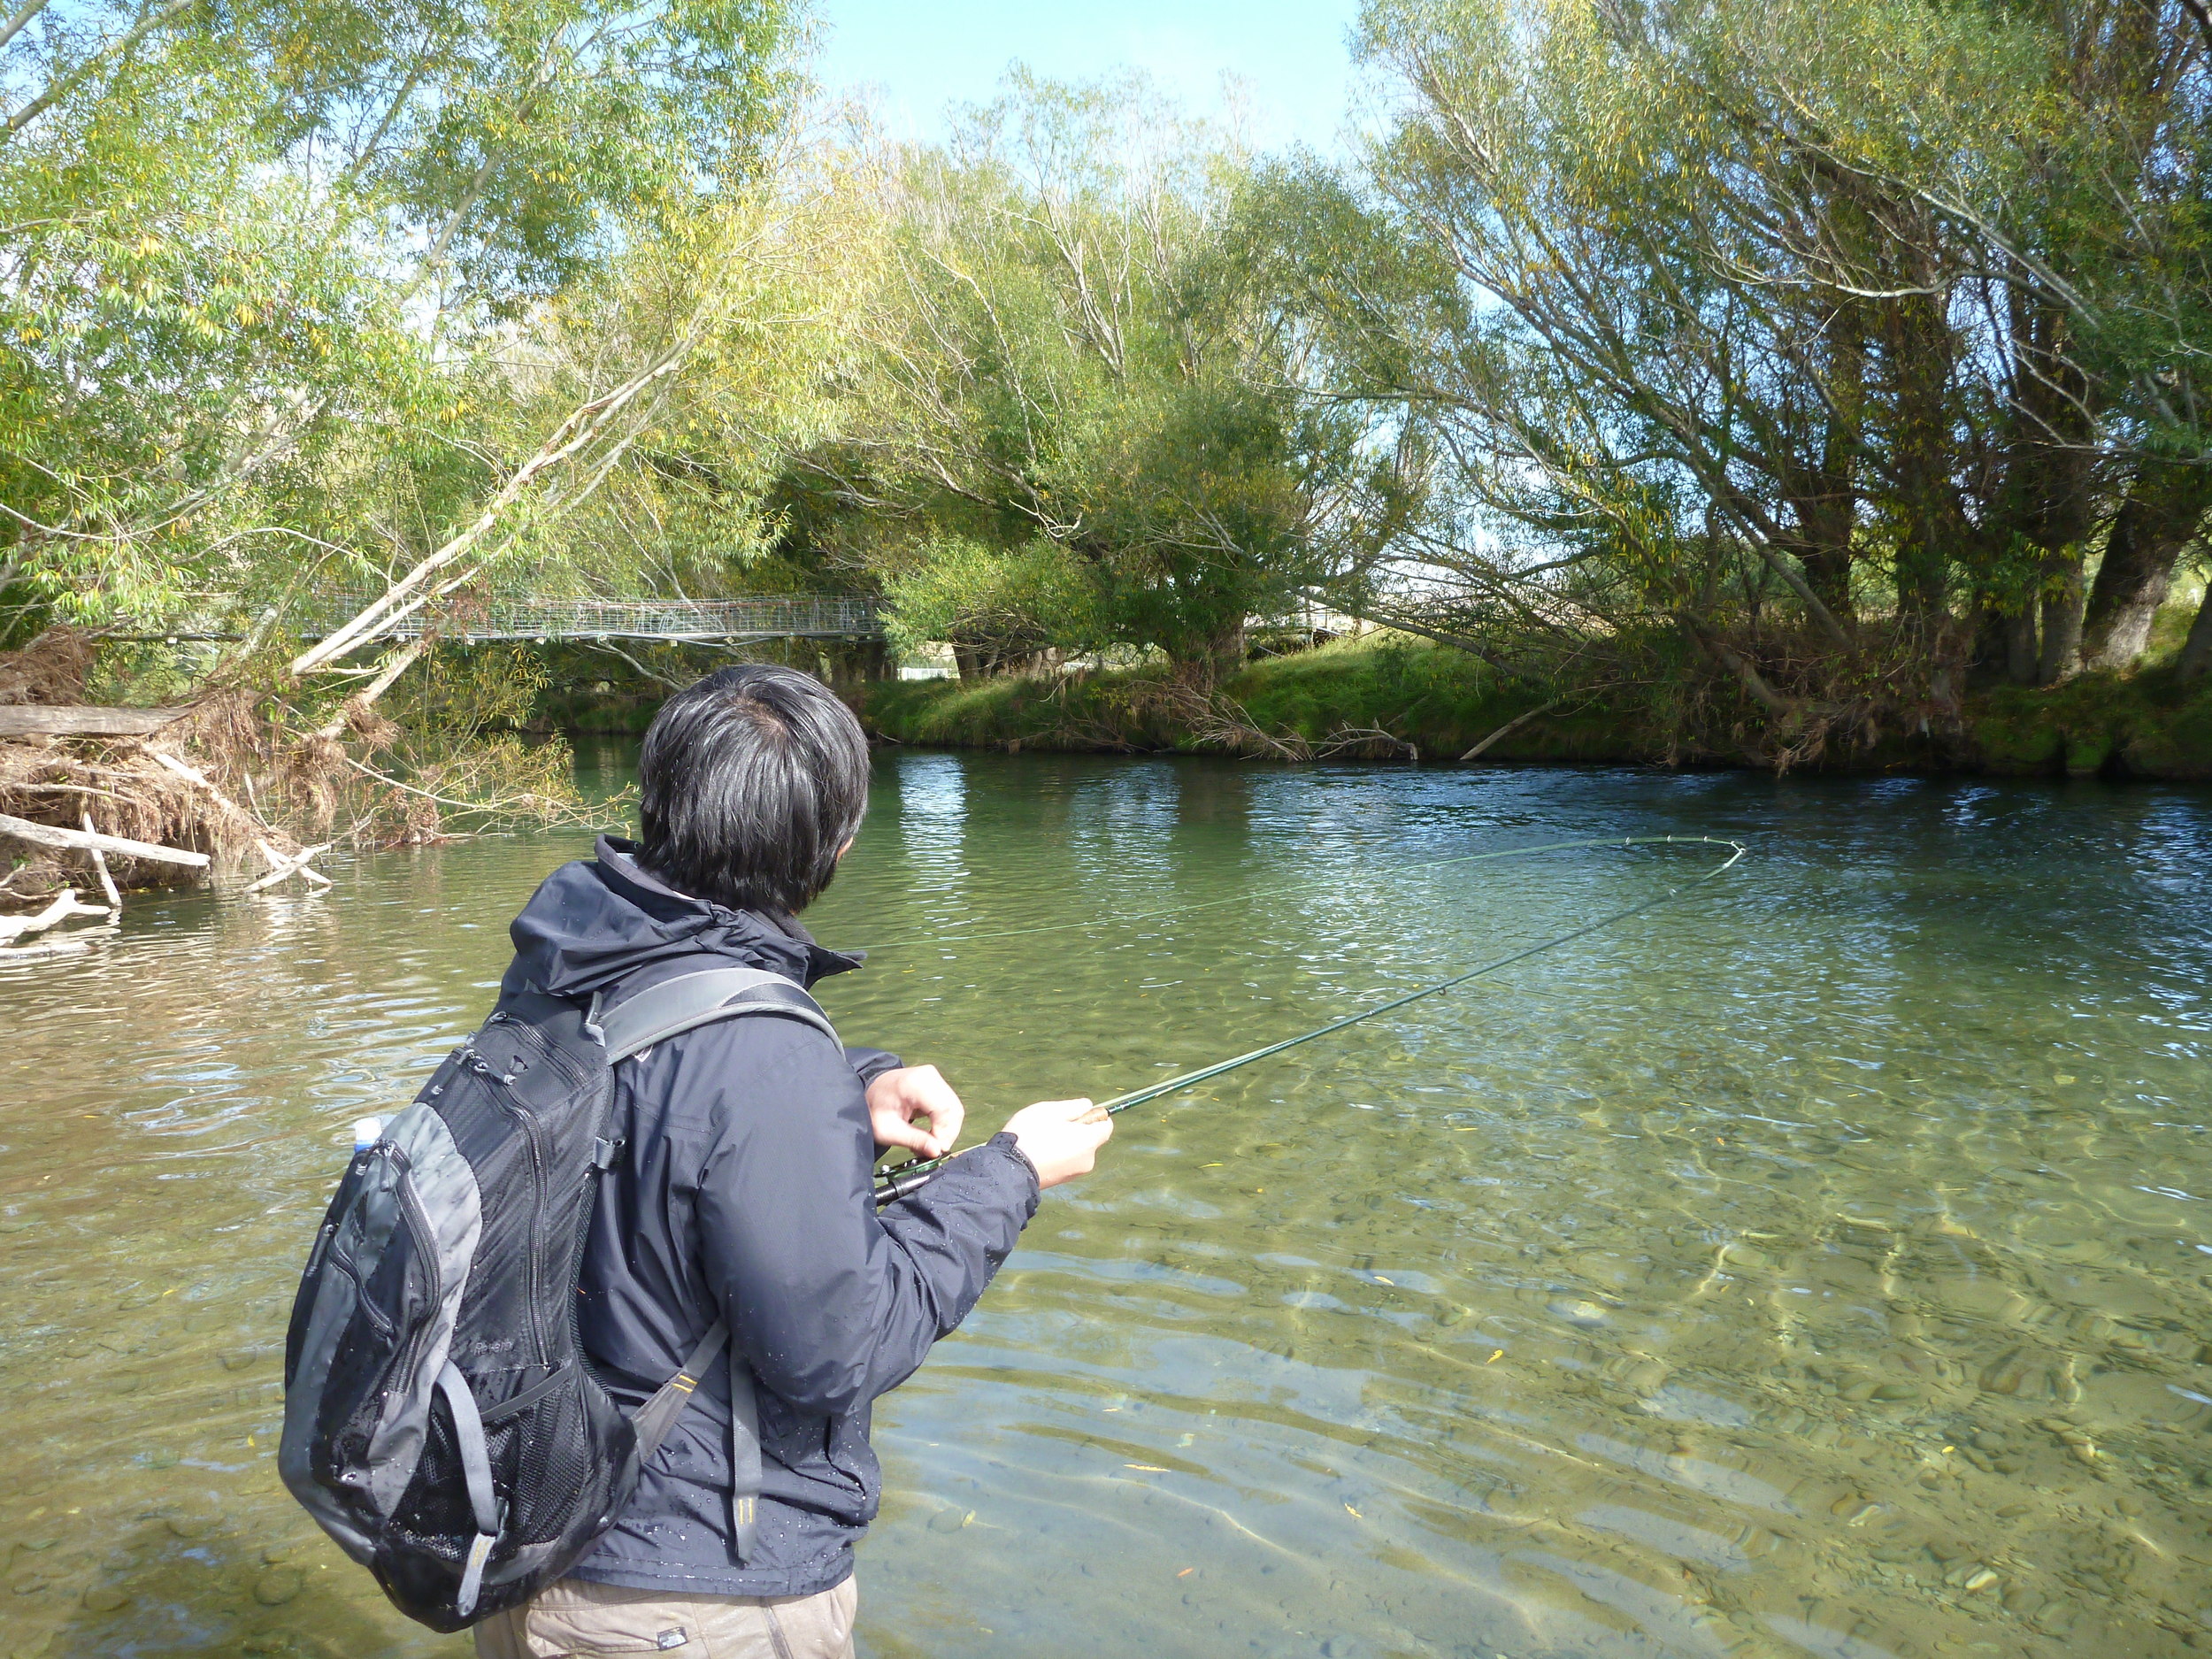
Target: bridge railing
column 795, row 617
column 761, row 617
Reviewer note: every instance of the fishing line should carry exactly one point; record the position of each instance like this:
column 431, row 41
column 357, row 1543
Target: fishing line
column 908, row 1178
column 1249, row 893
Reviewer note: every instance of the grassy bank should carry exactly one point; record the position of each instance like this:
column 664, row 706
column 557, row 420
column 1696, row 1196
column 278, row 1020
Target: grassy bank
column 1381, row 696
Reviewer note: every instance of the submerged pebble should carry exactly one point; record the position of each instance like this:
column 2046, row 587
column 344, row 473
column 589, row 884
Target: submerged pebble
column 1581, row 1313
column 276, row 1587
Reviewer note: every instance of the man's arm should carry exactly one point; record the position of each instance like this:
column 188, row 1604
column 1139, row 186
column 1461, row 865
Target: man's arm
column 830, row 1303
column 868, row 1064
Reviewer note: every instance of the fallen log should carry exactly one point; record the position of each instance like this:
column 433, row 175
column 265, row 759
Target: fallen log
column 35, row 719
column 87, row 841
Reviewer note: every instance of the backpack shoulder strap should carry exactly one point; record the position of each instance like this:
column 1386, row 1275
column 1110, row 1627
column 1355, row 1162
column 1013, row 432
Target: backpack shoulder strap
column 633, row 1025
column 659, row 1011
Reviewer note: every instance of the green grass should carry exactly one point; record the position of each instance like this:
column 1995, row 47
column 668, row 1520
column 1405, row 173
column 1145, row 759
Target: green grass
column 1441, row 700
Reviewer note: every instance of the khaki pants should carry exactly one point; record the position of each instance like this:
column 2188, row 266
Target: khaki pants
column 578, row 1617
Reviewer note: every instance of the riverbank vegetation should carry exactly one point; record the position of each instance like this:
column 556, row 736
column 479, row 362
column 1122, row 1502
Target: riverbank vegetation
column 1395, row 698
column 1796, row 384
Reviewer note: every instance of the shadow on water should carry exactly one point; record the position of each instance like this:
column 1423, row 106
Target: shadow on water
column 1820, row 1266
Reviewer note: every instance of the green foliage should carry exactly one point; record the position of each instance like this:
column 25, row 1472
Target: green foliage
column 1443, row 701
column 1081, row 398
column 290, row 287
column 1008, row 605
column 1838, row 333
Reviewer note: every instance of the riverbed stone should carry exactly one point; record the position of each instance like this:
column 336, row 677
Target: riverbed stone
column 278, row 1586
column 1645, row 1375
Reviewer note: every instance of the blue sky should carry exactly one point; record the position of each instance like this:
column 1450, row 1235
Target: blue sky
column 1290, row 56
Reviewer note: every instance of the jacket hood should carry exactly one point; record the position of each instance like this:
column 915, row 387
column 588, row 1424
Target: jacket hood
column 594, row 923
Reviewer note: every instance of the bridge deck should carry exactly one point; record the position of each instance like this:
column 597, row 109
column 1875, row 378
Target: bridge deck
column 722, row 620
column 762, row 616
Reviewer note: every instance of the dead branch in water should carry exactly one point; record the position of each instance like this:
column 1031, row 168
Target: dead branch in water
column 295, row 864
column 1511, row 727
column 65, row 904
column 1365, row 742
column 100, row 865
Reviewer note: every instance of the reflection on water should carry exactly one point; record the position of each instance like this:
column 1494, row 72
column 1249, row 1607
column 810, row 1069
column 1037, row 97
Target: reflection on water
column 1816, row 1267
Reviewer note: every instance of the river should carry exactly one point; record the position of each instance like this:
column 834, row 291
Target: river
column 1815, row 1265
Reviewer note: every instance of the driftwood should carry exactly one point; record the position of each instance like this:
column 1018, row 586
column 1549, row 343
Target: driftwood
column 87, row 841
column 34, row 719
column 65, row 904
column 100, row 865
column 295, row 864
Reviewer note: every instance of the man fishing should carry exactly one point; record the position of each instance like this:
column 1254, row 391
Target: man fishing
column 738, row 1191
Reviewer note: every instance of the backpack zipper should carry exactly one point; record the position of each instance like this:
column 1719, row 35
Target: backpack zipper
column 532, row 1132
column 417, row 1224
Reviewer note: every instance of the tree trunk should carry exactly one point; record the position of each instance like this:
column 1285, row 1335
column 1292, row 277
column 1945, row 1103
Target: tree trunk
column 2020, row 653
column 2060, row 659
column 1201, row 664
column 2196, row 651
column 1828, row 573
column 2156, row 523
column 1828, row 513
column 1922, row 352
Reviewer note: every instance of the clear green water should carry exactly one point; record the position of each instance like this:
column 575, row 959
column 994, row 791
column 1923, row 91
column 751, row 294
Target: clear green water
column 1819, row 1266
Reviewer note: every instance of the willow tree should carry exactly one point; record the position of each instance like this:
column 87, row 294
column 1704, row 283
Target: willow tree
column 271, row 267
column 1078, row 374
column 1833, row 342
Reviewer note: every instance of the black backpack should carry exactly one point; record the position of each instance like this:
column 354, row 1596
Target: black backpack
column 441, row 1420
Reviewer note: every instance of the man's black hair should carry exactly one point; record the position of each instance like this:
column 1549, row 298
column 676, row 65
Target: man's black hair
column 754, row 779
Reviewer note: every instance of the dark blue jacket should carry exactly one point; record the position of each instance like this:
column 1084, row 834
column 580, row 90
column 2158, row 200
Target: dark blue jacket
column 743, row 1192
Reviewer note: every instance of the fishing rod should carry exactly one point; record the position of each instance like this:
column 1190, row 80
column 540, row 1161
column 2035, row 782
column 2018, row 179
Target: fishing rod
column 1250, row 893
column 909, row 1179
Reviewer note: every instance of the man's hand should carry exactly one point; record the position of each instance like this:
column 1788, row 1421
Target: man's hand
column 897, row 1098
column 1060, row 1137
